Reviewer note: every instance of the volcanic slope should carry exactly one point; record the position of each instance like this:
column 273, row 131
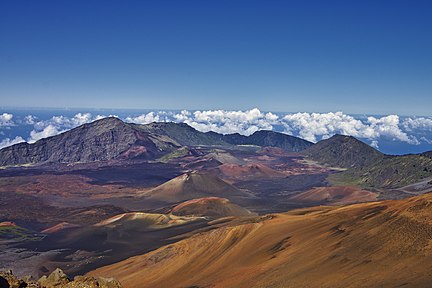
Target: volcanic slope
column 188, row 136
column 343, row 151
column 110, row 138
column 377, row 244
column 252, row 170
column 194, row 185
column 105, row 139
column 396, row 171
column 367, row 166
column 116, row 238
column 212, row 207
column 335, row 195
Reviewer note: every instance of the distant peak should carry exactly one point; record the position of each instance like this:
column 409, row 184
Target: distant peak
column 162, row 124
column 265, row 132
column 341, row 136
column 109, row 119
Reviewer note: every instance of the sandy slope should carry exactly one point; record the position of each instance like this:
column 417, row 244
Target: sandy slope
column 339, row 195
column 378, row 244
column 211, row 206
column 193, row 185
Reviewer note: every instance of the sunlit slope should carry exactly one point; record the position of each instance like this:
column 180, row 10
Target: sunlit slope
column 379, row 244
column 194, row 185
column 211, row 206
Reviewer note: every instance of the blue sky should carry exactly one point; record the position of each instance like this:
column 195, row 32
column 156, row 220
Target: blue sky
column 371, row 57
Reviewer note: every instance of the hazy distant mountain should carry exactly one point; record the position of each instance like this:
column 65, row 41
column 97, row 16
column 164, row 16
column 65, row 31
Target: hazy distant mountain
column 110, row 138
column 269, row 138
column 343, row 151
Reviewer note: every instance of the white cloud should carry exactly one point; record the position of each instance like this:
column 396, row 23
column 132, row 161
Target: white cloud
column 226, row 122
column 6, row 119
column 182, row 116
column 30, row 120
column 374, row 144
column 421, row 123
column 8, row 142
column 98, row 117
column 424, row 139
column 315, row 126
column 221, row 121
column 312, row 125
column 309, row 126
column 389, row 127
column 144, row 118
column 58, row 124
column 48, row 131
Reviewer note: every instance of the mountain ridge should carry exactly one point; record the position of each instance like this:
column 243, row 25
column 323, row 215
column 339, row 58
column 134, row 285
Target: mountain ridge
column 110, row 138
column 343, row 151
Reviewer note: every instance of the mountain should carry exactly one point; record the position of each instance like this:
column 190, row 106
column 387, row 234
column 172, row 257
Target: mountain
column 105, row 139
column 215, row 207
column 193, row 185
column 313, row 247
column 110, row 138
column 343, row 151
column 269, row 138
column 183, row 134
column 367, row 166
column 395, row 172
column 427, row 154
column 188, row 136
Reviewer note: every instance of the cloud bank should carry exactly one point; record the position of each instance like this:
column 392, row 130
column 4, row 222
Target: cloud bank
column 310, row 126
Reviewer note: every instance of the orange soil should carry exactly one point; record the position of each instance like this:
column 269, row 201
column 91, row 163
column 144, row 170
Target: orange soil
column 7, row 224
column 377, row 244
column 336, row 195
column 59, row 227
column 210, row 206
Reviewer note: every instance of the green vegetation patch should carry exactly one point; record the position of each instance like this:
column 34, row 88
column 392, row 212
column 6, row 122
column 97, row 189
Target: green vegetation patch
column 343, row 179
column 181, row 152
column 18, row 234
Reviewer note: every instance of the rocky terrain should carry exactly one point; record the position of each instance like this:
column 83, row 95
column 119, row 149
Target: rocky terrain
column 367, row 166
column 344, row 151
column 110, row 138
column 169, row 204
column 378, row 244
column 57, row 279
